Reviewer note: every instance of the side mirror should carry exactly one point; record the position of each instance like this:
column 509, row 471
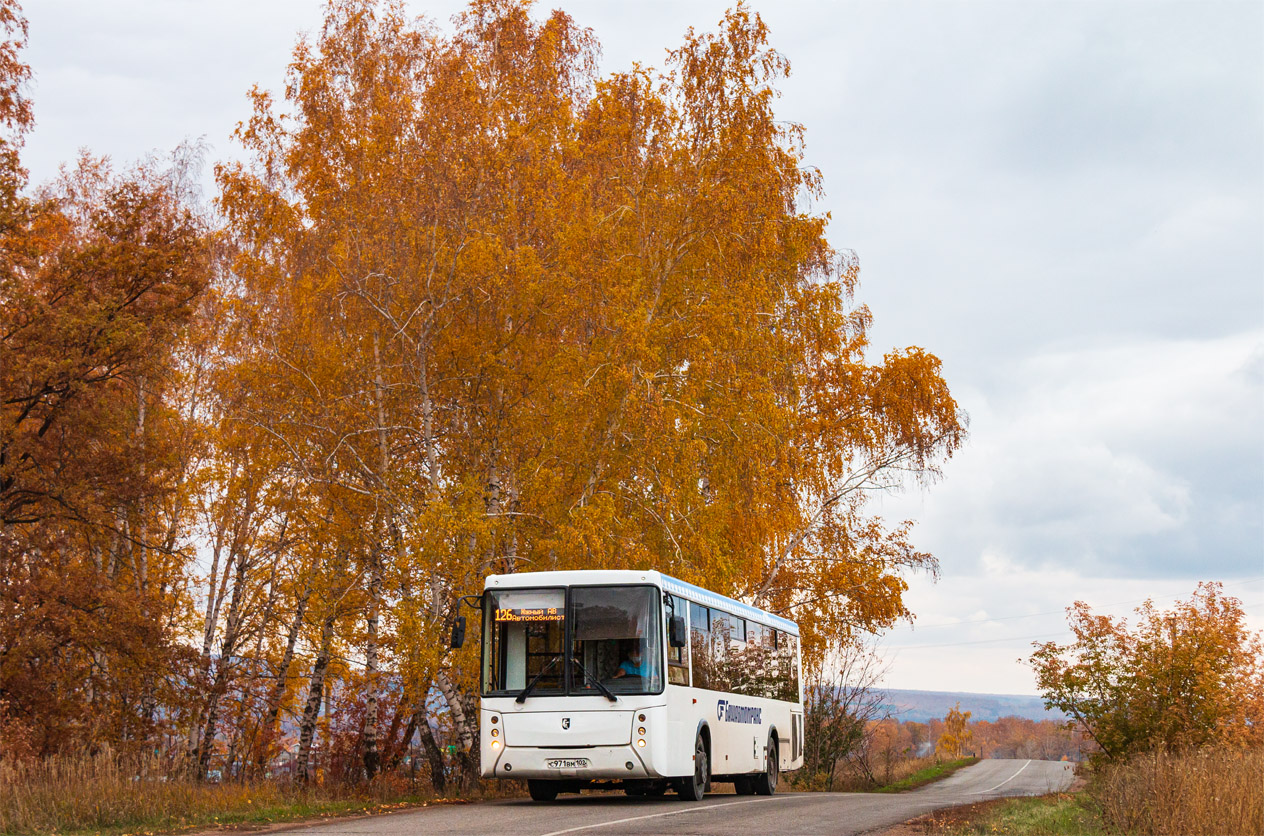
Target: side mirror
column 676, row 636
column 458, row 632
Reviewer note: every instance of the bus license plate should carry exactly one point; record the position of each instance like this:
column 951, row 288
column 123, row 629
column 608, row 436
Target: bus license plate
column 567, row 763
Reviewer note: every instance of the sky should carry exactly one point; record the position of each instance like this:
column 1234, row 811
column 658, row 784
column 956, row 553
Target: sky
column 1063, row 200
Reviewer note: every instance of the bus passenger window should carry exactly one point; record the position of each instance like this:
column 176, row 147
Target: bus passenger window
column 677, row 661
column 758, row 674
column 787, row 664
column 700, row 645
column 793, row 691
column 721, row 659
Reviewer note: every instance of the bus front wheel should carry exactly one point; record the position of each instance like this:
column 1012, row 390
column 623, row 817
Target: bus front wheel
column 542, row 790
column 695, row 786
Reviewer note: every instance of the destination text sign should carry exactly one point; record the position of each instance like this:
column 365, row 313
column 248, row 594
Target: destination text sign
column 530, row 614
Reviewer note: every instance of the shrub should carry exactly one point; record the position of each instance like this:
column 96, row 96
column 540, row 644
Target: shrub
column 1190, row 677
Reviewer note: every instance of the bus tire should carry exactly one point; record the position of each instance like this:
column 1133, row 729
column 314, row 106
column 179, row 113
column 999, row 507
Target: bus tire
column 694, row 787
column 766, row 782
column 542, row 790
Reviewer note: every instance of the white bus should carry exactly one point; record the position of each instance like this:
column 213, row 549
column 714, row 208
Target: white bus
column 635, row 681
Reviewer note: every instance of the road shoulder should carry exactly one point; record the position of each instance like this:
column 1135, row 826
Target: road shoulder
column 1068, row 813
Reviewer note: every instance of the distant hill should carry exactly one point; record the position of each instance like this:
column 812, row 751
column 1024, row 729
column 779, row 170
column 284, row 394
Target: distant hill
column 921, row 706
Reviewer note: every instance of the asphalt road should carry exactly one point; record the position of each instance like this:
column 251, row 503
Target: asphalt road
column 784, row 814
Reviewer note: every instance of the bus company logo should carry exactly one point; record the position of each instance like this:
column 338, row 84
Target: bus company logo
column 566, row 722
column 727, row 712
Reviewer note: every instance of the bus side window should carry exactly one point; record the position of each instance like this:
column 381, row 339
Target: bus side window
column 793, row 688
column 787, row 666
column 699, row 645
column 677, row 661
column 722, row 659
column 759, row 676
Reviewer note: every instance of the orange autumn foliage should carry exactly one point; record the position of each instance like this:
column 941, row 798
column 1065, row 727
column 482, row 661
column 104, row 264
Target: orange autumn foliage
column 1184, row 678
column 539, row 319
column 475, row 308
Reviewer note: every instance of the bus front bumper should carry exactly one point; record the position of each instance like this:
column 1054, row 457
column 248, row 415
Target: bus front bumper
column 592, row 763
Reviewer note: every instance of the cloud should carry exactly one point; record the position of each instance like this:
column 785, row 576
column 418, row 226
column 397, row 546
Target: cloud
column 1141, row 459
column 973, row 630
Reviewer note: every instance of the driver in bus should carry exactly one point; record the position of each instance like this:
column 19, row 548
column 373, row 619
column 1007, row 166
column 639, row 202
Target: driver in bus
column 632, row 665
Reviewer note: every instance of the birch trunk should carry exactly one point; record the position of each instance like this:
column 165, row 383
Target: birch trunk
column 140, row 555
column 434, row 755
column 459, row 719
column 315, row 692
column 372, row 755
column 272, row 712
column 462, row 722
column 232, row 633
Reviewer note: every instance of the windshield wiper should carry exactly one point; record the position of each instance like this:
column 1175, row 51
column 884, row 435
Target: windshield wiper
column 595, row 681
column 522, row 697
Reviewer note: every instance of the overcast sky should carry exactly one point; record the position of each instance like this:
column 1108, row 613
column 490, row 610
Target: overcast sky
column 1063, row 200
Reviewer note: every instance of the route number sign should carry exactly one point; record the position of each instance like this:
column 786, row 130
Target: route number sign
column 530, row 614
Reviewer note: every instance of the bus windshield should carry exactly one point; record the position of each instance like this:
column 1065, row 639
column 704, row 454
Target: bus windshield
column 616, row 639
column 522, row 640
column 615, row 636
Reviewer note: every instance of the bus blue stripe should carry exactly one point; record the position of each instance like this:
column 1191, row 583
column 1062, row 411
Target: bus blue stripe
column 712, row 599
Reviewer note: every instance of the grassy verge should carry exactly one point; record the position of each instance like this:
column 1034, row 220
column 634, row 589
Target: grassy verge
column 896, row 776
column 1061, row 814
column 240, row 808
column 927, row 775
column 103, row 794
column 246, row 820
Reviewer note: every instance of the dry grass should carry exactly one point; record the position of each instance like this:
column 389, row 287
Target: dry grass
column 929, row 775
column 109, row 794
column 1211, row 791
column 889, row 772
column 894, row 776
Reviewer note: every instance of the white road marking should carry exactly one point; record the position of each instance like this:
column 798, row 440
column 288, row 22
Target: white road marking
column 690, row 809
column 1003, row 783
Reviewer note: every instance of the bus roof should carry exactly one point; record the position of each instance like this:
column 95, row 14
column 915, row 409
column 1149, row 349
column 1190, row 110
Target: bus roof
column 626, row 576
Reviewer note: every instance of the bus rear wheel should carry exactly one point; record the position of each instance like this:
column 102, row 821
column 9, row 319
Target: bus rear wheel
column 766, row 782
column 542, row 790
column 694, row 787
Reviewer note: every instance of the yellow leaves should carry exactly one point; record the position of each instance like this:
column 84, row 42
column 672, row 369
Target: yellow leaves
column 956, row 736
column 605, row 334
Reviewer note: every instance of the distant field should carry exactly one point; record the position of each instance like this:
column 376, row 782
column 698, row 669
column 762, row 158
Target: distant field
column 921, row 706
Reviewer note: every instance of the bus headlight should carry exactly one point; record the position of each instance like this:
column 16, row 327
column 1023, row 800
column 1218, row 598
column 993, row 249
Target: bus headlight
column 496, row 732
column 495, row 745
column 640, row 742
column 641, row 730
